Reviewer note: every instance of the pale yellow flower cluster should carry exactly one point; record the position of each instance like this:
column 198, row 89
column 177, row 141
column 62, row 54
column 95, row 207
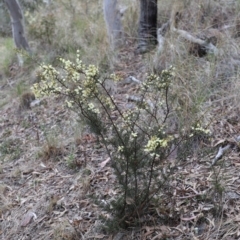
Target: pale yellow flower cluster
column 93, row 108
column 48, row 85
column 91, row 72
column 115, row 77
column 74, row 80
column 155, row 142
column 127, row 116
column 69, row 103
column 156, row 82
column 120, row 149
column 199, row 129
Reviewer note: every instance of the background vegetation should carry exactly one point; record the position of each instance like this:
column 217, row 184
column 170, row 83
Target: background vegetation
column 56, row 176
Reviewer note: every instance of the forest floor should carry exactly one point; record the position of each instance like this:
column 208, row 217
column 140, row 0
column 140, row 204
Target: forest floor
column 48, row 172
column 50, row 167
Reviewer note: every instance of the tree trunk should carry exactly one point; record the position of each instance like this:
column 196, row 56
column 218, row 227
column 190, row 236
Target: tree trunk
column 147, row 24
column 17, row 24
column 112, row 16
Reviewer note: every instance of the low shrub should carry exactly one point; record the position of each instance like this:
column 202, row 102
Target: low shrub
column 136, row 139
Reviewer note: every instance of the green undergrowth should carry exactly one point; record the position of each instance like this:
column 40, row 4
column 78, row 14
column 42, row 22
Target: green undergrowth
column 7, row 54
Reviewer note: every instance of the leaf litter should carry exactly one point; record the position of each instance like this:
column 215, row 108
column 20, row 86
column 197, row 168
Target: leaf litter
column 43, row 198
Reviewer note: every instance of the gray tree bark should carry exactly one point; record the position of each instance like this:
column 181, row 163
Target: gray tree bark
column 112, row 16
column 17, row 24
column 147, row 25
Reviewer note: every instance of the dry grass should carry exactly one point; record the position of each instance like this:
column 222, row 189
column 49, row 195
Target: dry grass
column 202, row 202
